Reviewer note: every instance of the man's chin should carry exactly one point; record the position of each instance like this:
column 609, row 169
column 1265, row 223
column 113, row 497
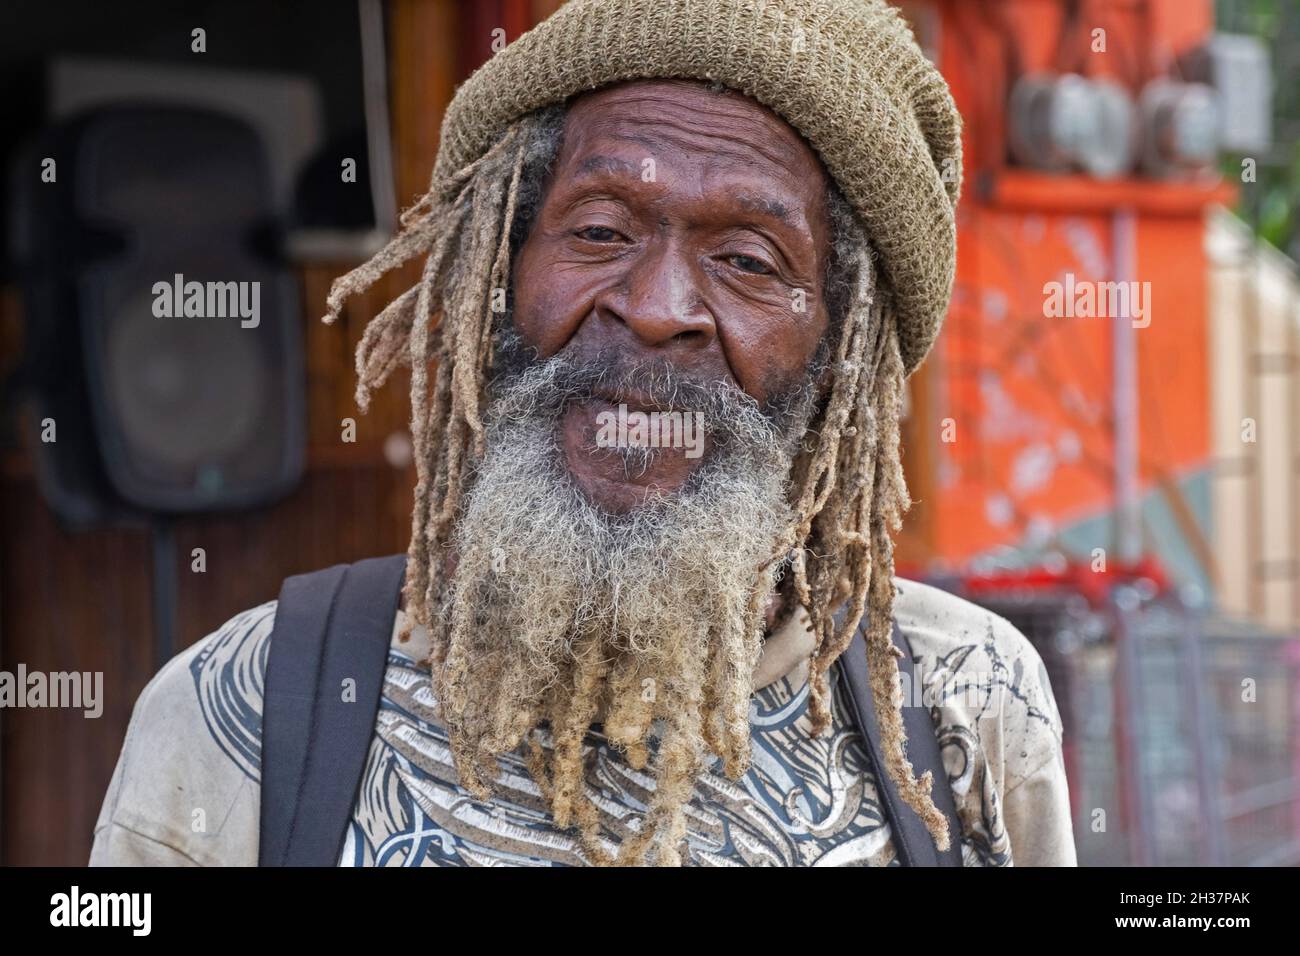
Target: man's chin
column 612, row 490
column 619, row 496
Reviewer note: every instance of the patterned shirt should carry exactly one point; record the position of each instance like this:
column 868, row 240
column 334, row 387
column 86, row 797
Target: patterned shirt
column 186, row 789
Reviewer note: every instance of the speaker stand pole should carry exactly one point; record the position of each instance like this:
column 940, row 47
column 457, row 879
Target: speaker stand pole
column 163, row 535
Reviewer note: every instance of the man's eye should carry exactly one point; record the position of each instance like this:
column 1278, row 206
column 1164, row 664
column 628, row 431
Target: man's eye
column 597, row 234
column 750, row 264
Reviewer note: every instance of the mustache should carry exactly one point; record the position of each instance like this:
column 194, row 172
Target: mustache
column 527, row 385
column 727, row 415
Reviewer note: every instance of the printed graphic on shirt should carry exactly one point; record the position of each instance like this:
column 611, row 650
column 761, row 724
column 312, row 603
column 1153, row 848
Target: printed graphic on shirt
column 806, row 801
column 952, row 678
column 228, row 674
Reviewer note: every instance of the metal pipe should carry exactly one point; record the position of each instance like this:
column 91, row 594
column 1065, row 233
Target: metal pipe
column 1124, row 392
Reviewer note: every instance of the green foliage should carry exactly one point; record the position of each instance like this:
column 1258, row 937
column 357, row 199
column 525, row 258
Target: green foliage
column 1272, row 203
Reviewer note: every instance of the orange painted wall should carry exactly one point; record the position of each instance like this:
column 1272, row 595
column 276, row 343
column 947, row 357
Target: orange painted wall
column 1030, row 397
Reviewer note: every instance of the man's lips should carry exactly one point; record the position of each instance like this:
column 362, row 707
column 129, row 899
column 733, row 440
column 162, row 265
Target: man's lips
column 632, row 401
column 586, row 418
column 603, row 470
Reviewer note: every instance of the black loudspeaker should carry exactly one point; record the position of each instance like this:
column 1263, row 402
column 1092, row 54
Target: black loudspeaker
column 164, row 334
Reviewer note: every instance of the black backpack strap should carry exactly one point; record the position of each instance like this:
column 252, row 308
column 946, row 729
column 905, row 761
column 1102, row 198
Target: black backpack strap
column 912, row 841
column 330, row 626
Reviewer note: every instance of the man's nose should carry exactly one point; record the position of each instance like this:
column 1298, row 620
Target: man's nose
column 660, row 300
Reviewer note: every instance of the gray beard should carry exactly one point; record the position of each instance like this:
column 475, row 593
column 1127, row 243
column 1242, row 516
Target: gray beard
column 673, row 583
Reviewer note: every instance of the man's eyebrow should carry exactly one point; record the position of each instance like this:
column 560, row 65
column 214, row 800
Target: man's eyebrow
column 765, row 205
column 607, row 164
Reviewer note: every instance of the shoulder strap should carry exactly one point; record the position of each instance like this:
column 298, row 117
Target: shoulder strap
column 330, row 626
column 912, row 841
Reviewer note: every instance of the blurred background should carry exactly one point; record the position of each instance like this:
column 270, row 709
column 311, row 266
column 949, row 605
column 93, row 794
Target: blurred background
column 1122, row 483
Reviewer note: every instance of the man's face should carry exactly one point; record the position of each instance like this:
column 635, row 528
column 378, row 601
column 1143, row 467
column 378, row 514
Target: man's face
column 680, row 228
column 675, row 264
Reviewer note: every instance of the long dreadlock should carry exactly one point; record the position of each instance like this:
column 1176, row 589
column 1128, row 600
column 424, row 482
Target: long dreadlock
column 848, row 491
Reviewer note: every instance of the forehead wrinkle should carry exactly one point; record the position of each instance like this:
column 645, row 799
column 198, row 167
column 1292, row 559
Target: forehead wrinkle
column 765, row 135
column 701, row 113
column 674, row 135
column 600, row 164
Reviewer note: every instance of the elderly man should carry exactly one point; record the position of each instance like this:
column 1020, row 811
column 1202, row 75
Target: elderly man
column 679, row 259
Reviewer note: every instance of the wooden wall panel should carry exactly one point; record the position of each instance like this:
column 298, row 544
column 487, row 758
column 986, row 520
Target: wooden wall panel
column 67, row 603
column 83, row 601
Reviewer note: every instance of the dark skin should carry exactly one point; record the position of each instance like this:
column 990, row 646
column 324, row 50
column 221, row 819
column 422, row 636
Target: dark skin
column 698, row 262
column 698, row 268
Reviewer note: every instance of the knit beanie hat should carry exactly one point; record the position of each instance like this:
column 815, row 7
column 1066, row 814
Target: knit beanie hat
column 847, row 74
